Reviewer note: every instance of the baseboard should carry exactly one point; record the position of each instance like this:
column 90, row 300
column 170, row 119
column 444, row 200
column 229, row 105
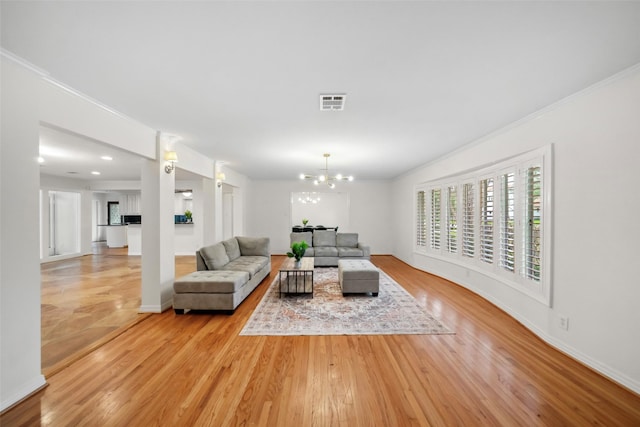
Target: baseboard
column 150, row 309
column 23, row 392
column 156, row 308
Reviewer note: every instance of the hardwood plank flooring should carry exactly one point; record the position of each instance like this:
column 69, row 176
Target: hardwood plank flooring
column 87, row 301
column 195, row 370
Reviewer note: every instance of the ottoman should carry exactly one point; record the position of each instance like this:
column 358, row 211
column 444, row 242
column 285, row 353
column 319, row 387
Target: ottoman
column 209, row 290
column 358, row 276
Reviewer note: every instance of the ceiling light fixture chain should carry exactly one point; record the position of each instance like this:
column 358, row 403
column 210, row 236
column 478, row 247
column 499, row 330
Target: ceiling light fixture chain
column 325, row 177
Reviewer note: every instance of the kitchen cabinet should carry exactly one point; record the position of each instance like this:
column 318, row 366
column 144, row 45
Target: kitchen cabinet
column 130, row 204
column 116, row 236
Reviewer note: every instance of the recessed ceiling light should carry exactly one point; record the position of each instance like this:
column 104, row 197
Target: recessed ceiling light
column 40, row 159
column 95, row 173
column 106, row 158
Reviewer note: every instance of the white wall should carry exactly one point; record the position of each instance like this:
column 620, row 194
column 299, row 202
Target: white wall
column 188, row 237
column 20, row 361
column 269, row 212
column 595, row 136
column 27, row 100
column 241, row 187
column 66, row 109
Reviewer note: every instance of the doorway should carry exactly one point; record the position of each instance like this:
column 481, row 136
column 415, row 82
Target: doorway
column 113, row 209
column 64, row 221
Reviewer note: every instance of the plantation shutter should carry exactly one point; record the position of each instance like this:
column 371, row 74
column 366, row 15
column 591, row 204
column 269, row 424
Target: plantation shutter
column 486, row 220
column 421, row 216
column 435, row 218
column 533, row 224
column 452, row 219
column 468, row 236
column 507, row 221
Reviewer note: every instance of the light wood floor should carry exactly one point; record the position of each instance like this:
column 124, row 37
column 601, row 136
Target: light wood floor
column 89, row 300
column 195, row 370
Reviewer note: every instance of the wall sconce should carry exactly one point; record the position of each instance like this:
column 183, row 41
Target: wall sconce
column 220, row 177
column 172, row 158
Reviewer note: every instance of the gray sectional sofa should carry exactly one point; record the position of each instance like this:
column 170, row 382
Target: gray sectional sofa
column 328, row 246
column 226, row 273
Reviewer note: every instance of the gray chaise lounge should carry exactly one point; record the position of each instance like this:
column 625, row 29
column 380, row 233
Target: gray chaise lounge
column 227, row 272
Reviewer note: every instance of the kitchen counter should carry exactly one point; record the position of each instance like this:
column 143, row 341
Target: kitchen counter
column 185, row 241
column 116, row 235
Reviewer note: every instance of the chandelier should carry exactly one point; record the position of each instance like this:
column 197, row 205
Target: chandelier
column 324, row 177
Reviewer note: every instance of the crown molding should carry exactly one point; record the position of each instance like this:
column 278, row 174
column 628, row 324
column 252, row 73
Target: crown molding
column 23, row 62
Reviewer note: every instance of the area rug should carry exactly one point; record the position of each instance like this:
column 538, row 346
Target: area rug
column 393, row 311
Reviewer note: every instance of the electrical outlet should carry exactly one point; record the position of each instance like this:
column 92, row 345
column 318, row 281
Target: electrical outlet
column 564, row 323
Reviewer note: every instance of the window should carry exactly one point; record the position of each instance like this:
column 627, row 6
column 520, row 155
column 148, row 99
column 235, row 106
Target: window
column 452, row 219
column 507, row 221
column 421, row 219
column 486, row 220
column 533, row 224
column 493, row 220
column 435, row 218
column 468, row 215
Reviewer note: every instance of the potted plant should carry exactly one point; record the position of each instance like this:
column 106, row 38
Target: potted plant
column 188, row 214
column 304, row 221
column 297, row 251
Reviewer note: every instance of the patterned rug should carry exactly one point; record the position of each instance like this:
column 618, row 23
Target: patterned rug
column 394, row 311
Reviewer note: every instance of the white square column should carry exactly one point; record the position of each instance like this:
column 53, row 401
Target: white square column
column 158, row 234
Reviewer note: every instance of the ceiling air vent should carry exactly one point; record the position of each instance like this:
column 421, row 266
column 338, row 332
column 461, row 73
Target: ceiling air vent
column 332, row 102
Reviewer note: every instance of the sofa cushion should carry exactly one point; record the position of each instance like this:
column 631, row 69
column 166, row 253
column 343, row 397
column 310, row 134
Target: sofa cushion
column 299, row 237
column 307, row 237
column 254, row 246
column 249, row 264
column 324, row 238
column 232, row 248
column 330, row 251
column 350, row 252
column 202, row 282
column 214, row 256
column 347, row 240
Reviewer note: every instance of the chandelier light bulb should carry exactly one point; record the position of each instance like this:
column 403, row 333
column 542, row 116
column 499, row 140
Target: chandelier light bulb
column 325, row 177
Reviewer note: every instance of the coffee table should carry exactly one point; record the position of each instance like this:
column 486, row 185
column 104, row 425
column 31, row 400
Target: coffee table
column 296, row 280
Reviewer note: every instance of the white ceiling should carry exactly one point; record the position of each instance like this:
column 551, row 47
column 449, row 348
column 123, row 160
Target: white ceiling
column 73, row 156
column 239, row 81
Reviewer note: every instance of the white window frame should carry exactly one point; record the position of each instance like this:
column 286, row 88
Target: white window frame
column 540, row 290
